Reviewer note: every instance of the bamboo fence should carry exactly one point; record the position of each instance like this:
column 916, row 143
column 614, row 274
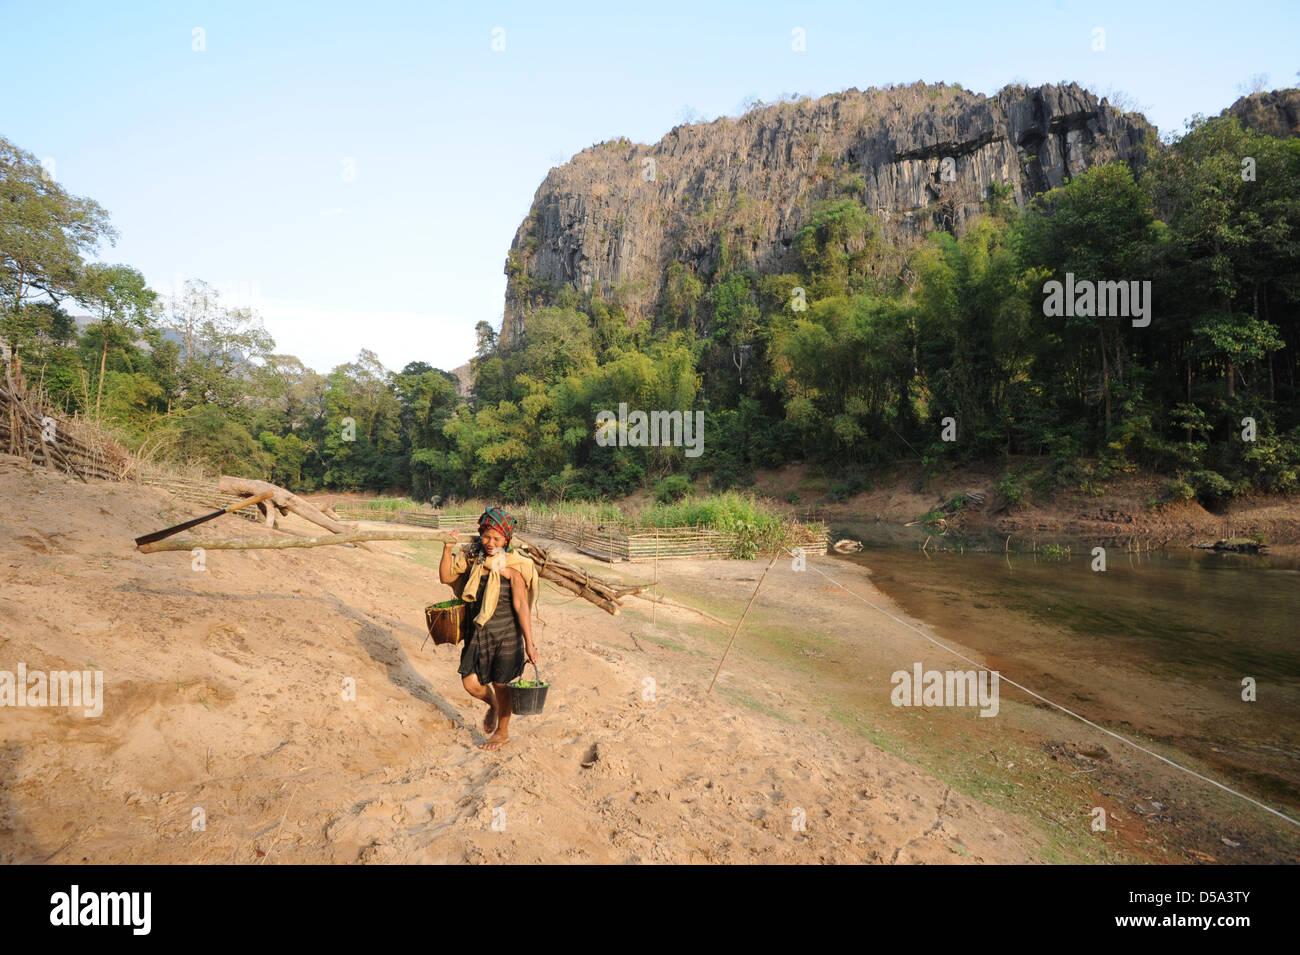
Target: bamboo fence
column 201, row 494
column 416, row 518
column 638, row 544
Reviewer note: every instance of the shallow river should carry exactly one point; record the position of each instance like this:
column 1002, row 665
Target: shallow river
column 1158, row 643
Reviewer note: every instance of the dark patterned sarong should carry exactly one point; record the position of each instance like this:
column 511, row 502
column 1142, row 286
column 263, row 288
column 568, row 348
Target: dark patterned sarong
column 495, row 650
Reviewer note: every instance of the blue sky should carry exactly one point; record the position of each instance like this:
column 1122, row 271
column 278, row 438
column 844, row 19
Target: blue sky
column 232, row 163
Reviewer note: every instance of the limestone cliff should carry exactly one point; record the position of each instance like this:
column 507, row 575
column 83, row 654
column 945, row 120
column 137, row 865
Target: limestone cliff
column 1276, row 112
column 616, row 215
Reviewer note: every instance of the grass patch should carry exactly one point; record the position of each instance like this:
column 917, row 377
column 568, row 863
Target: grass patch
column 757, row 526
column 736, row 696
column 666, row 643
column 1021, row 793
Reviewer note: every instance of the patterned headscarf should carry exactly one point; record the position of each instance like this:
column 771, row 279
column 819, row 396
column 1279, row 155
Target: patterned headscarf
column 496, row 518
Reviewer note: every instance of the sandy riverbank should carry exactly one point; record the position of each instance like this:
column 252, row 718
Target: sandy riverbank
column 223, row 705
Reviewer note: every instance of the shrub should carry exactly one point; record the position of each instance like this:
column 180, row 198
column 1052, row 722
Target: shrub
column 1274, row 462
column 1010, row 488
column 1177, row 489
column 1212, row 488
column 672, row 488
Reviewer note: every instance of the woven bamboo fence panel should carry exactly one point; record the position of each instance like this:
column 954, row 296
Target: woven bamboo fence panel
column 202, row 495
column 637, row 544
column 417, row 518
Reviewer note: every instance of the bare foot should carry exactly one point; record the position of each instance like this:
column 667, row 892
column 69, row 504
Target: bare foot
column 498, row 740
column 490, row 720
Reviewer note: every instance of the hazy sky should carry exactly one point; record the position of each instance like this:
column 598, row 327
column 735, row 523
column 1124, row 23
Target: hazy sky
column 356, row 171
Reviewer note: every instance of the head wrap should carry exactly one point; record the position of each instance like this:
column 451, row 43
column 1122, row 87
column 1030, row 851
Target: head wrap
column 487, row 571
column 495, row 518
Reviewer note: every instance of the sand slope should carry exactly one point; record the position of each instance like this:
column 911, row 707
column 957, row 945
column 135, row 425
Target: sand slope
column 224, row 705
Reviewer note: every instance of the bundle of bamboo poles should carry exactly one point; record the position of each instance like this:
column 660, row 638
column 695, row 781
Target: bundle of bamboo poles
column 36, row 433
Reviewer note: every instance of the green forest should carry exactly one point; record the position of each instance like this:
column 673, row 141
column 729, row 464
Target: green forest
column 854, row 360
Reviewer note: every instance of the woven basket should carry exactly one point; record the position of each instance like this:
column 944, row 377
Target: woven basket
column 449, row 621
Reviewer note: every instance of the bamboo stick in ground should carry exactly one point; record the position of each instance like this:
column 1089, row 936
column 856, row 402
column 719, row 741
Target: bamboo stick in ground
column 739, row 623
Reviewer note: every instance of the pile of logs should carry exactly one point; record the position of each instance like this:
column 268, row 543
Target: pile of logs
column 36, row 433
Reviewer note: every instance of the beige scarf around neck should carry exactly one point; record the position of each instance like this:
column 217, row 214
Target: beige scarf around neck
column 494, row 565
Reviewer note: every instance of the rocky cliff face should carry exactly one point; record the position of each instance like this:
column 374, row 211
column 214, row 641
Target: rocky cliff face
column 1276, row 112
column 464, row 375
column 921, row 157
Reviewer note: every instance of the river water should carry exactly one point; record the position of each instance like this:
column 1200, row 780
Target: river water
column 1158, row 644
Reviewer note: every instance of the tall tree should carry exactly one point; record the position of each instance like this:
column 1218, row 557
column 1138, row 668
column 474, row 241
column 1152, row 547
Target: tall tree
column 119, row 296
column 44, row 232
column 220, row 346
column 1099, row 227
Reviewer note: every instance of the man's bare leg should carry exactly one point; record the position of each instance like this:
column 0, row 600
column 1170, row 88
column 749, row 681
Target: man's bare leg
column 480, row 692
column 502, row 694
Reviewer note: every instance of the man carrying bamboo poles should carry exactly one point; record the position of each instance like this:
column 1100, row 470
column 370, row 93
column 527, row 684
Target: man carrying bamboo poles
column 501, row 586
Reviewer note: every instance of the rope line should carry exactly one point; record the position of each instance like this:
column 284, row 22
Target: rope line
column 1122, row 739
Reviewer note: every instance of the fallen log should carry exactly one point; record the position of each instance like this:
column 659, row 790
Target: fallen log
column 1235, row 545
column 283, row 500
